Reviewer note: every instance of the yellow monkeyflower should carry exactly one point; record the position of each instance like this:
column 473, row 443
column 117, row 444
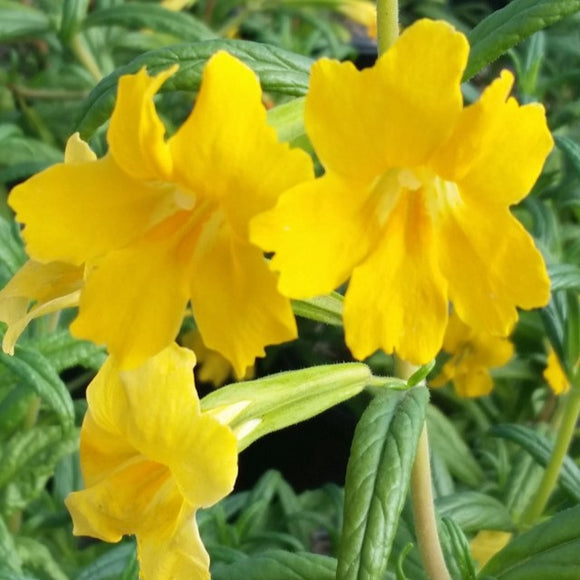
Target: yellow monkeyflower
column 473, row 354
column 554, row 374
column 150, row 459
column 48, row 287
column 212, row 367
column 161, row 222
column 414, row 203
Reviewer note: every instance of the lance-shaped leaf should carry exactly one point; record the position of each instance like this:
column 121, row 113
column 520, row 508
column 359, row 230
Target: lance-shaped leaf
column 505, row 28
column 255, row 408
column 377, row 478
column 549, row 550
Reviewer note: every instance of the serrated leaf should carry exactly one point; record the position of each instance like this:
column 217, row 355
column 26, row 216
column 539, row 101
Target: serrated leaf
column 571, row 150
column 505, row 28
column 540, row 448
column 564, row 277
column 446, row 442
column 279, row 565
column 377, row 478
column 473, row 511
column 18, row 20
column 37, row 373
column 549, row 550
column 137, row 15
column 14, row 407
column 279, row 71
column 326, row 309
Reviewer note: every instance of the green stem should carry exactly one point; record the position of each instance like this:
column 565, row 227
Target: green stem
column 85, row 57
column 552, row 472
column 424, row 513
column 387, row 23
column 423, row 500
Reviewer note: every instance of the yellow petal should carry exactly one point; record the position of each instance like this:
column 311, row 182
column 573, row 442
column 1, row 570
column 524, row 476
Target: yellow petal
column 226, row 151
column 78, row 151
column 498, row 148
column 492, row 266
column 212, row 367
column 75, row 212
column 180, row 555
column 475, row 383
column 134, row 299
column 319, row 232
column 394, row 114
column 554, row 374
column 401, row 285
column 486, row 544
column 136, row 134
column 235, row 302
column 200, row 453
column 53, row 286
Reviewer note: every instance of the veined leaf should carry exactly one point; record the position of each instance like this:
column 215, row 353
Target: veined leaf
column 36, row 372
column 571, row 149
column 279, row 565
column 18, row 20
column 377, row 478
column 564, row 277
column 549, row 550
column 540, row 448
column 136, row 15
column 505, row 28
column 279, row 71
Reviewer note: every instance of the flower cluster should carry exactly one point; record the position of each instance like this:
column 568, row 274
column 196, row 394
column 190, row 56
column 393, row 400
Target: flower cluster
column 412, row 210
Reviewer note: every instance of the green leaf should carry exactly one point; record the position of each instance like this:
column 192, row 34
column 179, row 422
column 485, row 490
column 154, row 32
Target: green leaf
column 12, row 254
column 14, row 407
column 420, row 374
column 63, row 351
column 279, row 71
column 37, row 558
column 448, row 444
column 571, row 150
column 27, row 461
column 17, row 20
column 457, row 550
column 263, row 406
column 73, row 14
column 505, row 28
column 522, row 484
column 473, row 511
column 564, row 277
column 377, row 478
column 549, row 550
column 110, row 565
column 137, row 15
column 9, row 559
column 288, row 120
column 36, row 372
column 540, row 448
column 18, row 149
column 326, row 309
column 279, row 565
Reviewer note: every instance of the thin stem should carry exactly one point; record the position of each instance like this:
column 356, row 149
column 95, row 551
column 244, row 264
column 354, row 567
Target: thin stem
column 85, row 57
column 387, row 23
column 552, row 472
column 424, row 513
column 423, row 500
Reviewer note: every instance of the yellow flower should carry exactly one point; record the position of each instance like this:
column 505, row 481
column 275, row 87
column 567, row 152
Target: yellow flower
column 486, row 544
column 414, row 203
column 51, row 287
column 150, row 459
column 164, row 222
column 212, row 367
column 555, row 376
column 363, row 12
column 474, row 352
